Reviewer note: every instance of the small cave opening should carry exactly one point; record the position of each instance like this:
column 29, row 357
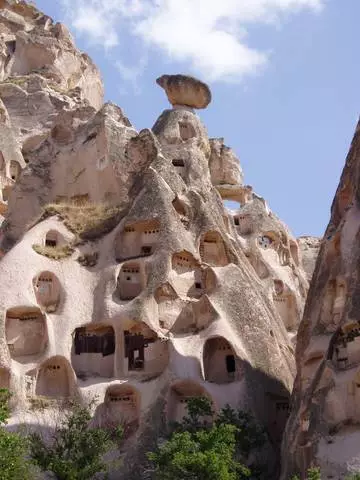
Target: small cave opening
column 137, row 240
column 93, row 351
column 186, row 130
column 220, row 363
column 54, row 378
column 26, row 332
column 212, row 249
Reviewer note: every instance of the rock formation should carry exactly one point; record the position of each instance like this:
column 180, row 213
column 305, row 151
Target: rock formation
column 309, row 249
column 323, row 428
column 126, row 273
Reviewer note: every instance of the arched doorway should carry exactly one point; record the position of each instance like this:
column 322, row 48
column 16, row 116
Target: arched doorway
column 179, row 394
column 54, row 378
column 220, row 362
column 93, row 351
column 47, row 290
column 26, row 332
column 122, row 407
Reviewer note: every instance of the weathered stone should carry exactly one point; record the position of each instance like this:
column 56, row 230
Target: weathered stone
column 323, row 428
column 183, row 90
column 309, row 248
column 121, row 253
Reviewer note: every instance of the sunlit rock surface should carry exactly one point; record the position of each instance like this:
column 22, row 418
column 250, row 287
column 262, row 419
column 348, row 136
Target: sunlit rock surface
column 137, row 267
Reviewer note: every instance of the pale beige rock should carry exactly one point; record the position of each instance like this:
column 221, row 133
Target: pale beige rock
column 309, row 248
column 325, row 418
column 173, row 295
column 183, row 90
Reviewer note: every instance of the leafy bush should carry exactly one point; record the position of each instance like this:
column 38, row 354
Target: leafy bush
column 14, row 464
column 313, row 473
column 77, row 450
column 202, row 455
column 204, row 447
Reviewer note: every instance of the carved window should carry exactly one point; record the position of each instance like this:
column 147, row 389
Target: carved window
column 265, row 241
column 87, row 341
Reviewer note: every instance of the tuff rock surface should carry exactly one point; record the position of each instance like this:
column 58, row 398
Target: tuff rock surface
column 184, row 90
column 126, row 273
column 309, row 249
column 323, row 428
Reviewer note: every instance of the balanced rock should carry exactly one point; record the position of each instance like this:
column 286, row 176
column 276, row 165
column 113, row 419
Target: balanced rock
column 185, row 90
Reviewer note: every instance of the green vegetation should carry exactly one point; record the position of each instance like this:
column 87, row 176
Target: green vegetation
column 202, row 447
column 14, row 464
column 87, row 220
column 77, row 450
column 55, row 253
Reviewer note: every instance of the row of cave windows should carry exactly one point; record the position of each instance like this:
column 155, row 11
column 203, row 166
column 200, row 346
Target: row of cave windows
column 122, row 402
column 134, row 243
column 131, row 281
column 94, row 350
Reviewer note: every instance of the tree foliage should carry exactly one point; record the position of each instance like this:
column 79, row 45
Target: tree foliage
column 202, row 447
column 14, row 464
column 77, row 450
column 202, row 455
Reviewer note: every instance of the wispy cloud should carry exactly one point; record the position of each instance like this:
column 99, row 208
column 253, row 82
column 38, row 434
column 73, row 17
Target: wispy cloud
column 210, row 35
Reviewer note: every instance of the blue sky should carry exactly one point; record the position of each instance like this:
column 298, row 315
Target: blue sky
column 284, row 76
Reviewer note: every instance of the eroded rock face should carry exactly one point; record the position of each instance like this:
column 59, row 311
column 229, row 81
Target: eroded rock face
column 42, row 78
column 145, row 286
column 185, row 90
column 224, row 165
column 324, row 425
column 309, row 248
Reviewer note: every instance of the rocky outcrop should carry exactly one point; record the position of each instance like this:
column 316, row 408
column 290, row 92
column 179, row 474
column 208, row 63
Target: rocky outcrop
column 309, row 249
column 43, row 78
column 323, row 428
column 137, row 267
column 184, row 90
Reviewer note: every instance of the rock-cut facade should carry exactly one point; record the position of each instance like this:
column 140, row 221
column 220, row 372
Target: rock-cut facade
column 137, row 267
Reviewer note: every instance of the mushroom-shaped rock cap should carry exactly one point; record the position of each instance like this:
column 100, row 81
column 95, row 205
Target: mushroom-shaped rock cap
column 185, row 90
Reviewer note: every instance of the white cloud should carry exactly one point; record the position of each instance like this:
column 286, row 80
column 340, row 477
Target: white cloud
column 209, row 35
column 131, row 74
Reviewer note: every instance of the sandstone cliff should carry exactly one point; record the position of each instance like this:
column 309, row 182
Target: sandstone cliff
column 125, row 274
column 323, row 428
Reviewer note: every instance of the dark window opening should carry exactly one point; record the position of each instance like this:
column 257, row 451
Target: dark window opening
column 50, row 243
column 135, row 345
column 90, row 137
column 230, row 363
column 197, row 285
column 86, row 342
column 11, row 46
column 236, row 221
column 146, row 250
column 178, row 162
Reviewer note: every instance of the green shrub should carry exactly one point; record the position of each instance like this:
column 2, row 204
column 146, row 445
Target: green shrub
column 207, row 448
column 77, row 450
column 14, row 464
